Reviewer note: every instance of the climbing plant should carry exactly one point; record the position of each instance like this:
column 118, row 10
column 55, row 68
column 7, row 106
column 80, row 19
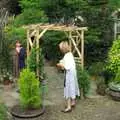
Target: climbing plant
column 33, row 65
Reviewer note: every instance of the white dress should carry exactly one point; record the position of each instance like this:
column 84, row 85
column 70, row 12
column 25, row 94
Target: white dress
column 71, row 89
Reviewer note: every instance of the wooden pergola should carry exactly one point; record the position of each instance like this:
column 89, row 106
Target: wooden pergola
column 75, row 35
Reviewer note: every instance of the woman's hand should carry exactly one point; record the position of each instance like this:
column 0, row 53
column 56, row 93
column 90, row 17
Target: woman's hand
column 60, row 65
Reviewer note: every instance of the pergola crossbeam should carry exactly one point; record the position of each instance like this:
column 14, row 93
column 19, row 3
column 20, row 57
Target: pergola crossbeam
column 55, row 27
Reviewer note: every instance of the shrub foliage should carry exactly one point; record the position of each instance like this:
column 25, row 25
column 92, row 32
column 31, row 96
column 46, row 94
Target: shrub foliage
column 3, row 112
column 83, row 79
column 29, row 89
column 32, row 64
column 114, row 57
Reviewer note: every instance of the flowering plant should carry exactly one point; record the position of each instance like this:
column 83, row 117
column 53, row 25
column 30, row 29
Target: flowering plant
column 6, row 76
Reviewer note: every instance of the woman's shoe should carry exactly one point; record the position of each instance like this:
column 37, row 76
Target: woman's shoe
column 66, row 110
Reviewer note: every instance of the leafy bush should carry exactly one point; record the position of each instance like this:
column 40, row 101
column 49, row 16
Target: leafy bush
column 29, row 89
column 114, row 57
column 3, row 112
column 117, row 77
column 96, row 68
column 83, row 79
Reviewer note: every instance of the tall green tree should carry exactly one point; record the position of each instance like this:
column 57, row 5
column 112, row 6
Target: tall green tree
column 31, row 13
column 58, row 9
column 27, row 4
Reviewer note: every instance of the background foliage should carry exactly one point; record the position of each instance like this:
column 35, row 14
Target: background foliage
column 97, row 17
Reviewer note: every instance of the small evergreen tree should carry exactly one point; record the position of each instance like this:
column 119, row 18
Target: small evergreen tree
column 30, row 96
column 83, row 80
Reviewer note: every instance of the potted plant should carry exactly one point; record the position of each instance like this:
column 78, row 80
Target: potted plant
column 113, row 66
column 95, row 70
column 30, row 96
column 114, row 87
column 101, row 86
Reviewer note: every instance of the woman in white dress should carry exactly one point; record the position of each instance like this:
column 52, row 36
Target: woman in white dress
column 71, row 89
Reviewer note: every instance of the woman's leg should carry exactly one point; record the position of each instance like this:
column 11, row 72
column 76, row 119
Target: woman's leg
column 69, row 103
column 73, row 102
column 68, row 108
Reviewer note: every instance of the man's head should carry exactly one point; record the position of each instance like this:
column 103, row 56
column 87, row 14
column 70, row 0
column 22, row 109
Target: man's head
column 18, row 44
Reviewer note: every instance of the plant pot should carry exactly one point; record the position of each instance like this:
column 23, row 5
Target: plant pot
column 19, row 114
column 101, row 89
column 93, row 77
column 101, row 86
column 7, row 82
column 114, row 91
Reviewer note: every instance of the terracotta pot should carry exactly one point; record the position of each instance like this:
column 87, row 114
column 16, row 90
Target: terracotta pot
column 7, row 82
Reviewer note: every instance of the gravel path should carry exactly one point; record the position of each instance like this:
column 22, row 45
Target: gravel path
column 96, row 108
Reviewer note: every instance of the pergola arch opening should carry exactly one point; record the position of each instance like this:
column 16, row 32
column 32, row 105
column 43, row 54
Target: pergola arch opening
column 75, row 35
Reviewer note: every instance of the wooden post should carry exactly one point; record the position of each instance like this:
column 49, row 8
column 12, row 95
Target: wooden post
column 70, row 42
column 82, row 60
column 74, row 44
column 28, row 48
column 82, row 48
column 77, row 43
column 37, row 52
column 115, row 30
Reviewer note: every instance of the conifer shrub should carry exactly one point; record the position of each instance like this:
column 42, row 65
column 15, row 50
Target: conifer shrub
column 83, row 79
column 30, row 95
